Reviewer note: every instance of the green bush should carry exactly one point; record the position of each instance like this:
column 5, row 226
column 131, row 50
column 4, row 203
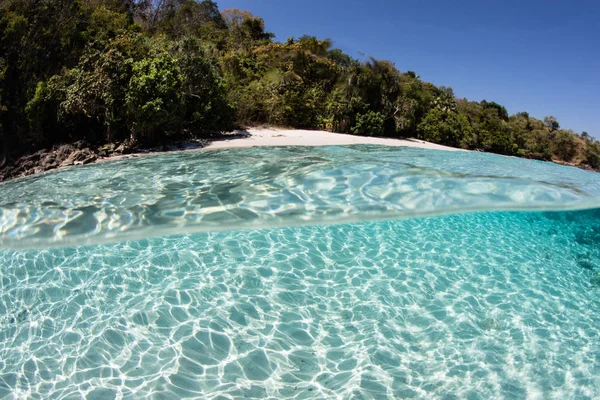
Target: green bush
column 99, row 85
column 448, row 128
column 592, row 154
column 564, row 145
column 370, row 124
column 44, row 115
column 206, row 108
column 154, row 98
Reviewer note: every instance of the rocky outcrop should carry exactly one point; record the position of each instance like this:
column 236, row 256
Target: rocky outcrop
column 77, row 157
column 78, row 153
column 81, row 153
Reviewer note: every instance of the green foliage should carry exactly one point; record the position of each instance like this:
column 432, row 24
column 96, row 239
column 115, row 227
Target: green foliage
column 592, row 154
column 445, row 101
column 551, row 123
column 448, row 128
column 341, row 111
column 369, row 124
column 180, row 18
column 104, row 70
column 491, row 131
column 564, row 145
column 106, row 20
column 586, row 136
column 47, row 122
column 41, row 113
column 498, row 110
column 245, row 30
column 99, row 84
column 154, row 97
column 205, row 104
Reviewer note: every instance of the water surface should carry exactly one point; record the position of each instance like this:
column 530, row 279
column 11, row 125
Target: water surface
column 477, row 305
column 270, row 187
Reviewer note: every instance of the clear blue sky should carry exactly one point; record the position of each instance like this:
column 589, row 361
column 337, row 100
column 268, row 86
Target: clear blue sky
column 539, row 56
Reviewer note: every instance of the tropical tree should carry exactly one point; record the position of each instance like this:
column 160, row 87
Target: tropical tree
column 449, row 128
column 154, row 97
column 551, row 123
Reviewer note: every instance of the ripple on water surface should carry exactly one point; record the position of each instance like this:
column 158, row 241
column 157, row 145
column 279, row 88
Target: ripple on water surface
column 258, row 188
column 477, row 306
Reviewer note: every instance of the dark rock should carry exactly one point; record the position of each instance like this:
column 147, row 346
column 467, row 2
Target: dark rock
column 70, row 160
column 90, row 159
column 49, row 162
column 79, row 157
column 586, row 264
column 78, row 153
column 63, row 151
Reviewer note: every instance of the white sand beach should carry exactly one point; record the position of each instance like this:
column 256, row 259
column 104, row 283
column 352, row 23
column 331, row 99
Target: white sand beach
column 258, row 137
column 295, row 137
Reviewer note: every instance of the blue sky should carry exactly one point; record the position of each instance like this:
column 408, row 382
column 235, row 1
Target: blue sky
column 539, row 56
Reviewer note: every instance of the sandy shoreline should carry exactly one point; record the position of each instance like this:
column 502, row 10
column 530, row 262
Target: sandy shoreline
column 271, row 137
column 297, row 137
column 58, row 158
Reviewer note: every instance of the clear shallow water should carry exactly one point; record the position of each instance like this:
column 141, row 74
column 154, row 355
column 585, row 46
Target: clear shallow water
column 270, row 187
column 480, row 305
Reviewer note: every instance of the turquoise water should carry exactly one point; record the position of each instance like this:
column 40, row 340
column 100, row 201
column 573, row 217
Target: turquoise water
column 488, row 304
column 275, row 187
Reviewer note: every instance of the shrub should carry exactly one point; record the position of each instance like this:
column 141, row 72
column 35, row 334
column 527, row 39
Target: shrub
column 154, row 98
column 370, row 124
column 447, row 128
column 204, row 92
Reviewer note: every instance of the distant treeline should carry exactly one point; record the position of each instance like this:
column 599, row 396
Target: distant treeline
column 155, row 70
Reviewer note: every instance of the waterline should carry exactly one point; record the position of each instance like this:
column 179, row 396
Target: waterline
column 276, row 187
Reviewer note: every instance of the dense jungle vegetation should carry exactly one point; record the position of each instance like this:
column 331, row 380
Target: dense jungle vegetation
column 152, row 71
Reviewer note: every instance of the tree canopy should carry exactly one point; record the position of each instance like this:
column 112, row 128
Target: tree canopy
column 153, row 70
